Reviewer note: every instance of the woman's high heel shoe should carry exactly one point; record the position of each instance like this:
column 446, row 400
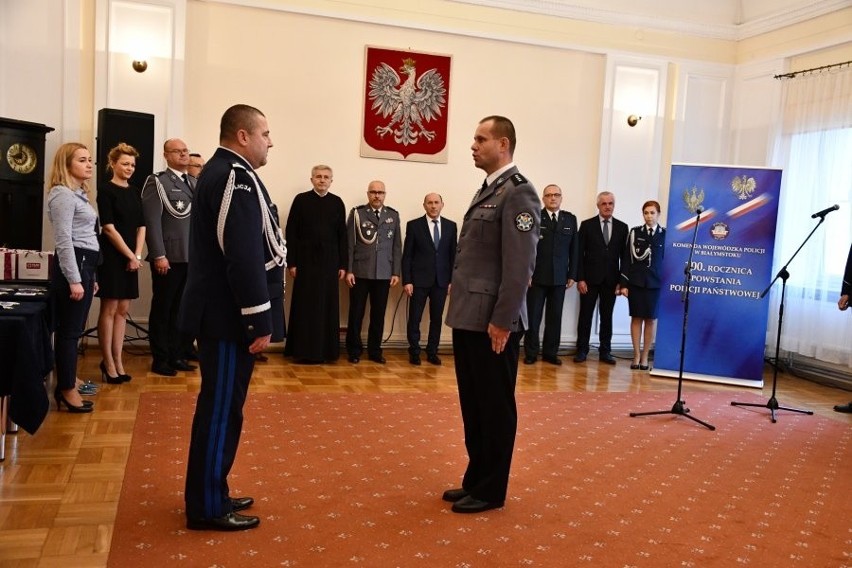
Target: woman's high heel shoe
column 117, row 380
column 60, row 400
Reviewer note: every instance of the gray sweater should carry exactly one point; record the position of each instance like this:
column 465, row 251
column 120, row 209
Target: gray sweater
column 73, row 219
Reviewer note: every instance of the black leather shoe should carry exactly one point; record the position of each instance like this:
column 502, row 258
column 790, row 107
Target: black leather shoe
column 414, row 359
column 529, row 360
column 552, row 360
column 192, row 356
column 607, row 358
column 229, row 522
column 453, row 495
column 844, row 408
column 434, row 359
column 470, row 505
column 181, row 365
column 240, row 503
column 354, row 359
column 378, row 359
column 163, row 369
column 579, row 358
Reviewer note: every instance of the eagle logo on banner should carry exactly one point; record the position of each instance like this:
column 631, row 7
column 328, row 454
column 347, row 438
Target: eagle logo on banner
column 743, row 186
column 408, row 104
column 693, row 199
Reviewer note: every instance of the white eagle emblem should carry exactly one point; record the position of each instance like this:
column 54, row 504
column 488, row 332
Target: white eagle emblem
column 743, row 186
column 524, row 222
column 407, row 105
column 693, row 199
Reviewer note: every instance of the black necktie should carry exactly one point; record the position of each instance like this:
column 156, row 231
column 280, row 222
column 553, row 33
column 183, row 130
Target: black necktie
column 553, row 216
column 185, row 179
column 436, row 236
column 376, row 211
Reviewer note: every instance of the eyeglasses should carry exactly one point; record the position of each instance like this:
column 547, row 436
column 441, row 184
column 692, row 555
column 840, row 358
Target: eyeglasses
column 371, row 192
column 553, row 195
column 176, row 151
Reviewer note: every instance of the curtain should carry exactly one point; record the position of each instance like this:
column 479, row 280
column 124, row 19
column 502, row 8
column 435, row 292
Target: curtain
column 814, row 149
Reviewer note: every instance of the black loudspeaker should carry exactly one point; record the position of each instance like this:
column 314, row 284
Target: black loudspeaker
column 134, row 128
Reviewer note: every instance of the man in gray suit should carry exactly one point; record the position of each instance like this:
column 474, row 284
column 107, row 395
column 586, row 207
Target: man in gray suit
column 166, row 206
column 374, row 266
column 488, row 313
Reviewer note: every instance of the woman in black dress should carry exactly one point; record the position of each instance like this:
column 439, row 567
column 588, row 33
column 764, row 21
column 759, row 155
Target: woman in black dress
column 122, row 239
column 642, row 268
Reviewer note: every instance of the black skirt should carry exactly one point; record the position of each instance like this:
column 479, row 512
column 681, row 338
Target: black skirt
column 643, row 302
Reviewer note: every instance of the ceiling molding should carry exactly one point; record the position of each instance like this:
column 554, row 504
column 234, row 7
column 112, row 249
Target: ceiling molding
column 732, row 32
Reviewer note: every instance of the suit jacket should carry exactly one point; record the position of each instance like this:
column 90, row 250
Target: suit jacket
column 422, row 264
column 846, row 288
column 375, row 246
column 637, row 269
column 229, row 292
column 165, row 234
column 495, row 256
column 599, row 263
column 556, row 254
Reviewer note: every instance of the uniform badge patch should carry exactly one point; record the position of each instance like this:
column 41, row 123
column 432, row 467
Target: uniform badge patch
column 243, row 186
column 524, row 222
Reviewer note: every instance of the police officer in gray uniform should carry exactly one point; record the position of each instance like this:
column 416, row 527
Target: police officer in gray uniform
column 166, row 207
column 374, row 266
column 488, row 313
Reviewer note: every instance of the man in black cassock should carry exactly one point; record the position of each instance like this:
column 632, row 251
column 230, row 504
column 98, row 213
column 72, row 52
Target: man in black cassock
column 316, row 261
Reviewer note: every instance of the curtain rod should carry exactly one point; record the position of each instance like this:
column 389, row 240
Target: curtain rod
column 823, row 68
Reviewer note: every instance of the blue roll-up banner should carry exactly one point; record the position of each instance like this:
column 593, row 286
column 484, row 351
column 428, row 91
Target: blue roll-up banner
column 731, row 266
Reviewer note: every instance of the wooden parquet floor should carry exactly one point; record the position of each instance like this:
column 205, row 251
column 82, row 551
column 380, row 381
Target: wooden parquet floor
column 59, row 489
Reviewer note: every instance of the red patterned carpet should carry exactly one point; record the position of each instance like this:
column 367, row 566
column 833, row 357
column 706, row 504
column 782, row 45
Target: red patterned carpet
column 356, row 480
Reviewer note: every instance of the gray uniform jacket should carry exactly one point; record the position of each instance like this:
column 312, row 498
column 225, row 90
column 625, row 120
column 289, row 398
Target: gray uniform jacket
column 375, row 245
column 167, row 225
column 495, row 257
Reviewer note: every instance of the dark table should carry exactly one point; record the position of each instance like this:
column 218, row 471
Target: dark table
column 26, row 358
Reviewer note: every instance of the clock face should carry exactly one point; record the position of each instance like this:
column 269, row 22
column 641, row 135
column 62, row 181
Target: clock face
column 21, row 158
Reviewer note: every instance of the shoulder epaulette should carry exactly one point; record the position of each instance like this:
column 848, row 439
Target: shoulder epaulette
column 518, row 179
column 389, row 208
column 238, row 165
column 362, row 206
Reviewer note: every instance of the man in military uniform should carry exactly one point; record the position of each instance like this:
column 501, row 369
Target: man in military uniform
column 166, row 206
column 555, row 271
column 488, row 313
column 374, row 266
column 233, row 304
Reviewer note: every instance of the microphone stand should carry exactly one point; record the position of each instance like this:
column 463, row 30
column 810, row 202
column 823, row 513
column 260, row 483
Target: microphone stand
column 772, row 403
column 679, row 408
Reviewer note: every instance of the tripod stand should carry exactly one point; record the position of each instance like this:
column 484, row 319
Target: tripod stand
column 679, row 408
column 772, row 403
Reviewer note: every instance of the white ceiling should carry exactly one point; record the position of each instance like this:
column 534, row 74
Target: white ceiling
column 724, row 19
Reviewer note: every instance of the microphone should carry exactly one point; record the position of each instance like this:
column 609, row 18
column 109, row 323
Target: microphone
column 825, row 211
column 699, row 209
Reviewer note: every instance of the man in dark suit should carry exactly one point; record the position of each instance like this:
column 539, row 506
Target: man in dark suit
column 843, row 304
column 374, row 267
column 602, row 242
column 166, row 206
column 236, row 256
column 495, row 258
column 555, row 271
column 427, row 265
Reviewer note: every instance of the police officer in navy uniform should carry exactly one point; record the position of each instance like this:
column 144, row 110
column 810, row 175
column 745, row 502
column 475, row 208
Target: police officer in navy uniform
column 488, row 313
column 374, row 266
column 237, row 256
column 166, row 206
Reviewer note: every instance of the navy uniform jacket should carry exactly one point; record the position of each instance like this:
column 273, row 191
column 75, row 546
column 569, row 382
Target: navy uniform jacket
column 639, row 267
column 167, row 227
column 422, row 265
column 598, row 263
column 556, row 254
column 846, row 288
column 229, row 286
column 375, row 245
column 496, row 256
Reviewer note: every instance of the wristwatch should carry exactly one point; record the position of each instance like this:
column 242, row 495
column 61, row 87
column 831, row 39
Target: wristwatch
column 138, row 257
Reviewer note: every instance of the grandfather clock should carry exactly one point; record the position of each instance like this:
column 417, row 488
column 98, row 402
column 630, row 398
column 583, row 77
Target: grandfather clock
column 22, row 166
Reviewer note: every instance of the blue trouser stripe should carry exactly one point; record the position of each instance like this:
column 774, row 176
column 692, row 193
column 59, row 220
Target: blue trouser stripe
column 218, row 427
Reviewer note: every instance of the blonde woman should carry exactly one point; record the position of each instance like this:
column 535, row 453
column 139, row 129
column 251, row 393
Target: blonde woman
column 74, row 280
column 122, row 240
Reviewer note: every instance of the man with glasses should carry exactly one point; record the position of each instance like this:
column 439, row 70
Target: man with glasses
column 166, row 206
column 374, row 265
column 555, row 271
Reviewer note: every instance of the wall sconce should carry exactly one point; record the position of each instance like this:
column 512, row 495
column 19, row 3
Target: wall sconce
column 140, row 65
column 633, row 120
